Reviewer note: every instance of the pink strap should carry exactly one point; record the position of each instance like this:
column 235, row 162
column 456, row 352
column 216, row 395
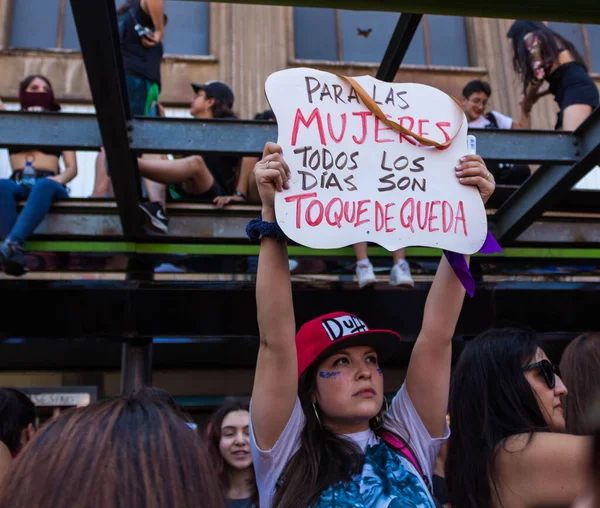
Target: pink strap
column 399, row 444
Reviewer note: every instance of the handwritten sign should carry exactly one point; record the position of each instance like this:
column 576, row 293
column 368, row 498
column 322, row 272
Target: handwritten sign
column 356, row 179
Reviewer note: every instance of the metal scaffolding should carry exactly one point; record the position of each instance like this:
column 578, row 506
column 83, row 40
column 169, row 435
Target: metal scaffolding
column 545, row 213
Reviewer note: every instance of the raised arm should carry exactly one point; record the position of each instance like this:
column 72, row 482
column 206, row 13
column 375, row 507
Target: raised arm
column 428, row 375
column 276, row 379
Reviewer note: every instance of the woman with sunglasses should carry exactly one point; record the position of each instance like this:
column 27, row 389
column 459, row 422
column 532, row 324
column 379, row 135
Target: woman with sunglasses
column 508, row 446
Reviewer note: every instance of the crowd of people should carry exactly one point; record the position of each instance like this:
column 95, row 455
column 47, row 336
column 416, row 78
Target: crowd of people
column 540, row 55
column 320, row 431
column 504, row 427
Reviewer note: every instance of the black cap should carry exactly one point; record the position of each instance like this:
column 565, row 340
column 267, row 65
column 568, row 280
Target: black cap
column 216, row 90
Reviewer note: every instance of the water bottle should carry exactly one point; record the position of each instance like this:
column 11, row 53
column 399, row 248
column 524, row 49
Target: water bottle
column 28, row 179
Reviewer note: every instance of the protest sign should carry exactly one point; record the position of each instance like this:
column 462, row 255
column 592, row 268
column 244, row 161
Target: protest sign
column 356, row 178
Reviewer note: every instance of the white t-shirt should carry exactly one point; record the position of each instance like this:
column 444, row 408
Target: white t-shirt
column 366, row 489
column 504, row 122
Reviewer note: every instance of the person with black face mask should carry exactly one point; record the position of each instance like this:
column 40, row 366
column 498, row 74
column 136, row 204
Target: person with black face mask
column 36, row 177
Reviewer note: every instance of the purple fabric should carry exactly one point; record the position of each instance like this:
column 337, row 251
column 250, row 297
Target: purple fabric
column 460, row 267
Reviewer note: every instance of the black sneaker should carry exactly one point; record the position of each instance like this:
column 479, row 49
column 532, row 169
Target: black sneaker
column 157, row 220
column 13, row 257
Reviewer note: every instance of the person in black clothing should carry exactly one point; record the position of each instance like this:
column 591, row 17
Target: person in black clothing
column 199, row 177
column 141, row 31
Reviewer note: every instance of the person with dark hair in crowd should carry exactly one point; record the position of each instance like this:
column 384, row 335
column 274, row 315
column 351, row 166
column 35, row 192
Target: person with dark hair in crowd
column 119, row 453
column 322, row 433
column 591, row 499
column 18, row 419
column 246, row 191
column 580, row 366
column 18, row 424
column 200, row 177
column 540, row 54
column 508, row 445
column 228, row 444
column 476, row 94
column 36, row 177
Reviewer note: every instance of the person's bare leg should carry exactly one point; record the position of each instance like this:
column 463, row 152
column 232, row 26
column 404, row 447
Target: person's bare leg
column 364, row 269
column 574, row 115
column 157, row 191
column 360, row 251
column 191, row 170
column 399, row 255
column 102, row 184
column 400, row 275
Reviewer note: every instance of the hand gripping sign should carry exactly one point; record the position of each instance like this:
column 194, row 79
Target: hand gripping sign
column 372, row 161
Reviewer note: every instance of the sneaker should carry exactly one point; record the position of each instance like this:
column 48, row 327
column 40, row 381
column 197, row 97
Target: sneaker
column 157, row 220
column 365, row 275
column 13, row 256
column 400, row 275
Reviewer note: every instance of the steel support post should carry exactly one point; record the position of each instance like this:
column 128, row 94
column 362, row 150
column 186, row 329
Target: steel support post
column 398, row 46
column 136, row 366
column 96, row 23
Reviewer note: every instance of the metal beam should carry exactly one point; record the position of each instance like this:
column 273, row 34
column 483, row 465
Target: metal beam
column 398, row 46
column 116, row 310
column 219, row 353
column 548, row 184
column 190, row 136
column 191, row 226
column 136, row 366
column 68, row 131
column 578, row 11
column 247, row 137
column 97, row 29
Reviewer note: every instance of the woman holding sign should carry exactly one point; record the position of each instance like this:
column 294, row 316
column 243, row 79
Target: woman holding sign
column 321, row 432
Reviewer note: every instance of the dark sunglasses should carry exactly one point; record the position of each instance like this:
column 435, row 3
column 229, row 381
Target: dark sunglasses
column 548, row 370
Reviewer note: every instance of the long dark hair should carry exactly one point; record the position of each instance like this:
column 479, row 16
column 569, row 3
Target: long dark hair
column 124, row 452
column 213, row 437
column 17, row 412
column 323, row 459
column 551, row 44
column 490, row 400
column 580, row 368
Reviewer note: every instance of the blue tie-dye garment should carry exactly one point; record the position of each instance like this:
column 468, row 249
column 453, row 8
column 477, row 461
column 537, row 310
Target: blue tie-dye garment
column 385, row 481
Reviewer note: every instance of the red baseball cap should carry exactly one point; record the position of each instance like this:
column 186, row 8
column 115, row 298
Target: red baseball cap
column 337, row 330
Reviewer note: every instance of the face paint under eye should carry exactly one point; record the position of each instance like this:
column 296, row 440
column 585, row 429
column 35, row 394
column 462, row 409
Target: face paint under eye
column 380, row 372
column 328, row 375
